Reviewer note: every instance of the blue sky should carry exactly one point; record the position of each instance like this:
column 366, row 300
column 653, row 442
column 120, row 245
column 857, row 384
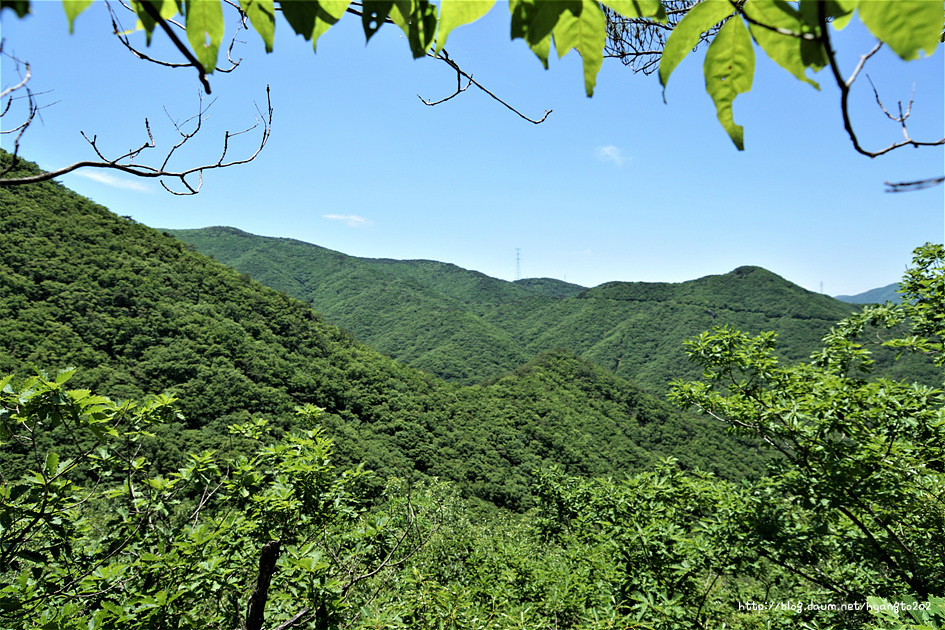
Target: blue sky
column 617, row 187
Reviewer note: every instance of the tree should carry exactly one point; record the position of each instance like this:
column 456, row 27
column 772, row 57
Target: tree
column 860, row 479
column 266, row 533
column 797, row 37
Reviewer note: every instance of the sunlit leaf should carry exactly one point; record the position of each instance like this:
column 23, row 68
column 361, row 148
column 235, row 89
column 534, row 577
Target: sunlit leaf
column 455, row 13
column 585, row 32
column 262, row 15
column 638, row 8
column 729, row 67
column 686, row 34
column 906, row 26
column 417, row 19
column 533, row 21
column 205, row 30
column 73, row 9
column 165, row 8
column 784, row 50
column 312, row 19
column 52, row 462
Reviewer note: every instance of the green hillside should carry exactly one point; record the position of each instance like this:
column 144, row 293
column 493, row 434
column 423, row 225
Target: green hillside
column 137, row 312
column 464, row 326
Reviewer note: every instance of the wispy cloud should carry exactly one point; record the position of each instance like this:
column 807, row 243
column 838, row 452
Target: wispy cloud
column 610, row 153
column 114, row 182
column 351, row 220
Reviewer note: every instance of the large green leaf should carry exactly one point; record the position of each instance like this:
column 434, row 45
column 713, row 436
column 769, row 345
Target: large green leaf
column 205, row 30
column 586, row 33
column 417, row 19
column 165, row 8
column 73, row 9
column 787, row 51
column 330, row 11
column 455, row 13
column 262, row 15
column 373, row 15
column 533, row 21
column 685, row 35
column 729, row 67
column 312, row 19
column 908, row 26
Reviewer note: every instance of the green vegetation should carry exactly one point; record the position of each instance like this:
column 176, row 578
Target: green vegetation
column 265, row 532
column 796, row 37
column 466, row 327
column 138, row 313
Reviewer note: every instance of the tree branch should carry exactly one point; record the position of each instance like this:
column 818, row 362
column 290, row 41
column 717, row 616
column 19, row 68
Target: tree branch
column 256, row 609
column 126, row 162
column 155, row 15
column 845, row 85
column 460, row 75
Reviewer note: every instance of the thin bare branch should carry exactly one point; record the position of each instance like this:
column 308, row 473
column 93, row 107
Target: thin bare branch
column 126, row 162
column 896, row 187
column 845, row 86
column 460, row 75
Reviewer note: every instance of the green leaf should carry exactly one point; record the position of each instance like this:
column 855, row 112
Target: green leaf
column 205, row 30
column 685, row 36
column 52, row 462
column 262, row 15
column 312, row 19
column 455, row 13
column 20, row 7
column 417, row 19
column 73, row 9
column 907, row 26
column 638, row 8
column 785, row 50
column 534, row 21
column 729, row 67
column 585, row 32
column 165, row 8
column 373, row 15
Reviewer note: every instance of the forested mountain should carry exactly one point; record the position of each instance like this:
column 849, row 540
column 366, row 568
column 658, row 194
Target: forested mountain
column 130, row 516
column 464, row 326
column 137, row 312
column 880, row 295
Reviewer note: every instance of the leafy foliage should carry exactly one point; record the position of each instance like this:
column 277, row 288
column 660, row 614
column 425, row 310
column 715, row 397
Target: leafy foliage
column 137, row 312
column 463, row 326
column 251, row 523
column 795, row 37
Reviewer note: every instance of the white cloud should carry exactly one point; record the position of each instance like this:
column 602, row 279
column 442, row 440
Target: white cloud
column 610, row 153
column 111, row 180
column 351, row 220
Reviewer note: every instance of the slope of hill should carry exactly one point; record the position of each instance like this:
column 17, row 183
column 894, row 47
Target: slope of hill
column 138, row 313
column 464, row 326
column 880, row 295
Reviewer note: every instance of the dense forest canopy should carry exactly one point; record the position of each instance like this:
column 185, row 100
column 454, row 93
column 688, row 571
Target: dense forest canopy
column 213, row 502
column 184, row 447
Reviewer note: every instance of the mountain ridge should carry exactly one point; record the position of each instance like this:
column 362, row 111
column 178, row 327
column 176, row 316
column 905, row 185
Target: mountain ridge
column 636, row 329
column 137, row 312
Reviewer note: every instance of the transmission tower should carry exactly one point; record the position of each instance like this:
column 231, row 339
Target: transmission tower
column 518, row 263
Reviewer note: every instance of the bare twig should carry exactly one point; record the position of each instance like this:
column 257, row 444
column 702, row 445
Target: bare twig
column 460, row 75
column 126, row 162
column 895, row 187
column 122, row 36
column 155, row 15
column 845, row 85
